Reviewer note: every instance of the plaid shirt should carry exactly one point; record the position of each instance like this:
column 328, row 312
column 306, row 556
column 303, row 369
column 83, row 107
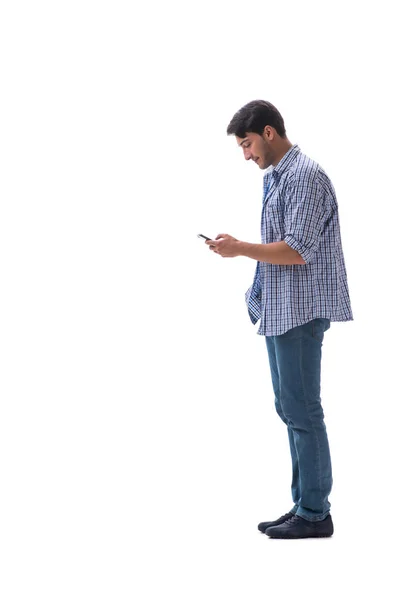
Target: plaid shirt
column 299, row 207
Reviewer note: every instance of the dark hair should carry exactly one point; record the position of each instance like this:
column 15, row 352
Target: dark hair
column 253, row 117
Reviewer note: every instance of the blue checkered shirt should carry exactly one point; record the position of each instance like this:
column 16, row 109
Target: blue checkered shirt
column 300, row 208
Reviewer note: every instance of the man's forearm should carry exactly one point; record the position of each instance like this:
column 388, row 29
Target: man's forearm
column 276, row 253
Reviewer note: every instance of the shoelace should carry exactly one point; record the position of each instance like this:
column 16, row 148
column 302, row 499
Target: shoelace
column 293, row 519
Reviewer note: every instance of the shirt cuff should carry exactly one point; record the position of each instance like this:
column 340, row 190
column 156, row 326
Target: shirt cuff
column 305, row 253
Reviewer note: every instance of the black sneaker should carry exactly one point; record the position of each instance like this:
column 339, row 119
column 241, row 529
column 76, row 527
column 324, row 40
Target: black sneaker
column 297, row 527
column 263, row 526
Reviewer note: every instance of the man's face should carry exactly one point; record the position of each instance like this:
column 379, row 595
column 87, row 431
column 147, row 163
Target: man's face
column 257, row 148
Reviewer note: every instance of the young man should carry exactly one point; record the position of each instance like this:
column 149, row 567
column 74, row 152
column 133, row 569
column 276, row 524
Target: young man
column 299, row 287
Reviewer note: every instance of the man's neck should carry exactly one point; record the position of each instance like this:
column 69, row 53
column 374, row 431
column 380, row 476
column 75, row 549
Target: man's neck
column 281, row 151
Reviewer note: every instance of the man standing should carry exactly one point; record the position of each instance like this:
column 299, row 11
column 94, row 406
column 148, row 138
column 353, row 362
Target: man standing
column 299, row 287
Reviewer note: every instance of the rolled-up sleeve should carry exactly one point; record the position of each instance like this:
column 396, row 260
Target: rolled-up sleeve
column 305, row 214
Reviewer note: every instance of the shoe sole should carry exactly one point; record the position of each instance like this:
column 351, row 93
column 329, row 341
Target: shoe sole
column 298, row 537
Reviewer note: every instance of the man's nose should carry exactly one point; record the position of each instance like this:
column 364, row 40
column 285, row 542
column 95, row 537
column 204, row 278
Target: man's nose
column 247, row 155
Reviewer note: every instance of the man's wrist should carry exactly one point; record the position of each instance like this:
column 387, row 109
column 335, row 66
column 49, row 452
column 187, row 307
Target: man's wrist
column 244, row 248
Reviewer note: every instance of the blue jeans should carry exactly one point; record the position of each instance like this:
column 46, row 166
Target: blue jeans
column 295, row 362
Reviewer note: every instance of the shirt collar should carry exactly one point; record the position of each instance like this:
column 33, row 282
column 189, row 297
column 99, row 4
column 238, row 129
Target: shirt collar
column 286, row 160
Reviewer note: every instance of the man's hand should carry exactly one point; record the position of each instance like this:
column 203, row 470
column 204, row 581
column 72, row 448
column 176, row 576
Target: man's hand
column 225, row 245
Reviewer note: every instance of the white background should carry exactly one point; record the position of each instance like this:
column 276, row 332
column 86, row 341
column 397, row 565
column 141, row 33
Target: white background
column 139, row 445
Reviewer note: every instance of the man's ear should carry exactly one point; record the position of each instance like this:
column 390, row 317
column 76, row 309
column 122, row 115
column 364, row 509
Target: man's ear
column 268, row 133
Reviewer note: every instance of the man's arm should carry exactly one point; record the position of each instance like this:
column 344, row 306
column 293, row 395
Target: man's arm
column 276, row 253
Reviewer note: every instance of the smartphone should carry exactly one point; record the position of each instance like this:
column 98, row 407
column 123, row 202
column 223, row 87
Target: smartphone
column 200, row 235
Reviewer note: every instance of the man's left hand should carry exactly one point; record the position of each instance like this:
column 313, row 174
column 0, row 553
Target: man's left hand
column 225, row 245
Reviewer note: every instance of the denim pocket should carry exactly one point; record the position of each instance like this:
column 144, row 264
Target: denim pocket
column 319, row 326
